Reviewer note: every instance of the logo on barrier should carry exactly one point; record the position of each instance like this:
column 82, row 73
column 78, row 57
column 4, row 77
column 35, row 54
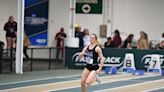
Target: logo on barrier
column 109, row 61
column 113, row 61
column 147, row 58
column 77, row 61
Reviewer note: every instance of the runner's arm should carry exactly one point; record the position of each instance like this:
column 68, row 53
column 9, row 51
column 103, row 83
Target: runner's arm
column 82, row 53
column 102, row 59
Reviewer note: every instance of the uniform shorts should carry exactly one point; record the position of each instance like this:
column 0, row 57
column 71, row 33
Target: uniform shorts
column 91, row 67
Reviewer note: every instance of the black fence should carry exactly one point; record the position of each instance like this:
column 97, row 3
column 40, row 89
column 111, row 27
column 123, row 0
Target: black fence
column 42, row 58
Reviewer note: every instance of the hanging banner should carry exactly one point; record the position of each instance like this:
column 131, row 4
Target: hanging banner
column 89, row 6
column 36, row 21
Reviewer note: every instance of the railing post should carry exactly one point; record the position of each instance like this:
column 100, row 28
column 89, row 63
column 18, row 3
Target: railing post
column 31, row 59
column 49, row 58
column 11, row 58
column 1, row 50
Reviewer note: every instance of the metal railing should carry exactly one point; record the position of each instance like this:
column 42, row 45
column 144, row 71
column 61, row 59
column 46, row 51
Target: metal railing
column 40, row 58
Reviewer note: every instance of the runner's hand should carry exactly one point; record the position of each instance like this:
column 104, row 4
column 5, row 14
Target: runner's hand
column 98, row 71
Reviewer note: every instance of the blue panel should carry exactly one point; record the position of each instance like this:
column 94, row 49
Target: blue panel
column 36, row 20
column 39, row 40
column 31, row 2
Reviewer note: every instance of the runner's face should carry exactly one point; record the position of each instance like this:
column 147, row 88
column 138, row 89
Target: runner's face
column 92, row 39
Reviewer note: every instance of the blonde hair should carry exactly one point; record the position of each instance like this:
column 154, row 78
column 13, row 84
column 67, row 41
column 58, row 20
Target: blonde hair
column 97, row 42
column 95, row 36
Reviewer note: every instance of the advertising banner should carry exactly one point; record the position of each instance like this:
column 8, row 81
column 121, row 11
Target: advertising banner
column 115, row 57
column 36, row 21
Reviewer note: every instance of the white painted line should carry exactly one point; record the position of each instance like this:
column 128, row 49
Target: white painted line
column 39, row 79
column 61, row 89
column 129, row 85
column 32, row 86
column 153, row 89
column 103, row 82
column 79, row 86
column 42, row 79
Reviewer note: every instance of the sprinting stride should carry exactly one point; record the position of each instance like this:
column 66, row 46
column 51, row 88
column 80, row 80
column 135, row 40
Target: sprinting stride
column 91, row 52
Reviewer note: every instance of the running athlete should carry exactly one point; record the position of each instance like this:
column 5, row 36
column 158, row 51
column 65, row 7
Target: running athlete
column 92, row 52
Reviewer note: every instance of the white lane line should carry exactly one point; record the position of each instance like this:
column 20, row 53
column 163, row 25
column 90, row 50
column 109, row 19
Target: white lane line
column 69, row 76
column 129, row 85
column 153, row 89
column 61, row 89
column 103, row 82
column 39, row 79
column 32, row 86
column 42, row 79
